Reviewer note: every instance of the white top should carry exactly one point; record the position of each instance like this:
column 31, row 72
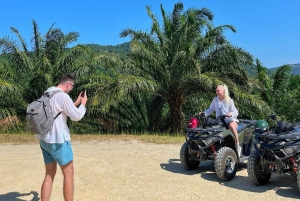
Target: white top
column 221, row 108
column 61, row 102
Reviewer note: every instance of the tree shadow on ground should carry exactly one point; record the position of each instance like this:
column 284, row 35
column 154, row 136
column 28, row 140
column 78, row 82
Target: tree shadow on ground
column 16, row 196
column 284, row 185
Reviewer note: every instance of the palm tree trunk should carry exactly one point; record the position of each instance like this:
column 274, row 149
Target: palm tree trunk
column 176, row 118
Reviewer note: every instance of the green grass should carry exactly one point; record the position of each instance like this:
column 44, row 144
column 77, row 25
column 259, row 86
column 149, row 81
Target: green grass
column 146, row 138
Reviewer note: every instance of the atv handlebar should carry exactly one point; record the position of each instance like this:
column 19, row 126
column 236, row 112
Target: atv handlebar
column 297, row 120
column 222, row 118
column 201, row 114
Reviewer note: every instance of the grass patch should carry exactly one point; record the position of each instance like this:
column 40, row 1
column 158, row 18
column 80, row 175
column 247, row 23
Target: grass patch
column 147, row 138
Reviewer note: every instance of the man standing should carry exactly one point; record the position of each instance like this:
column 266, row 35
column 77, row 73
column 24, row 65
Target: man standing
column 56, row 145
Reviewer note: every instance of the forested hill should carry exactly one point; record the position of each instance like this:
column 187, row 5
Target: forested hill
column 124, row 49
column 295, row 69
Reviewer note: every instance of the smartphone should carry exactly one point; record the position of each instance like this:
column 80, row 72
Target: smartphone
column 82, row 93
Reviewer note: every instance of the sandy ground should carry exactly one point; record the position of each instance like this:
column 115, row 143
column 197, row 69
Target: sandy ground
column 131, row 170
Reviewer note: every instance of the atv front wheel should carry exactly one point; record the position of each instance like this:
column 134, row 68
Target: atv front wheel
column 257, row 173
column 226, row 163
column 186, row 159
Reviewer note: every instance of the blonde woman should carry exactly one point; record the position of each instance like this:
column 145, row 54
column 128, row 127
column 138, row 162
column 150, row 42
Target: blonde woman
column 222, row 104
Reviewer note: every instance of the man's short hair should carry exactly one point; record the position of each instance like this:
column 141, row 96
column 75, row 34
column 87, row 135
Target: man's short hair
column 66, row 78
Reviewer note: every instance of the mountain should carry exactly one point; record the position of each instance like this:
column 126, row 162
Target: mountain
column 295, row 69
column 123, row 49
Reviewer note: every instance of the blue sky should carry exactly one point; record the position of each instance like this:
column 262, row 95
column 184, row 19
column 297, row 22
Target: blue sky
column 268, row 29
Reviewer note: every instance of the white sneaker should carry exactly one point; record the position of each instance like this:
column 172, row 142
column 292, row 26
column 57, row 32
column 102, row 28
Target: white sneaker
column 239, row 149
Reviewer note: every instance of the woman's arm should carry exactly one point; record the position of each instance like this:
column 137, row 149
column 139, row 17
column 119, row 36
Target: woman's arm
column 232, row 109
column 211, row 108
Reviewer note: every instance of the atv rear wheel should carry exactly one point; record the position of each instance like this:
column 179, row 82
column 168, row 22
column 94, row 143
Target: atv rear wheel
column 226, row 163
column 186, row 159
column 257, row 173
column 298, row 177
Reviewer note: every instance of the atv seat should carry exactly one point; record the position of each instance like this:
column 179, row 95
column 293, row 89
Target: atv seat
column 206, row 130
column 208, row 121
column 247, row 121
column 284, row 126
column 289, row 136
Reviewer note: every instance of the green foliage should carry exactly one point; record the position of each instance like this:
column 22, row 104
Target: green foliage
column 152, row 84
column 26, row 73
column 171, row 69
column 10, row 91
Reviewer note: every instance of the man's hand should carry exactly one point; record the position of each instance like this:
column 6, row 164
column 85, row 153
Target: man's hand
column 82, row 98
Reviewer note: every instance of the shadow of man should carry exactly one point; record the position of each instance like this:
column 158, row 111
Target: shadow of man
column 15, row 196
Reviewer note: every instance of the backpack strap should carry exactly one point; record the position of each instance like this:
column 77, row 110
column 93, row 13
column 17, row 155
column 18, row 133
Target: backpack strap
column 49, row 95
column 57, row 115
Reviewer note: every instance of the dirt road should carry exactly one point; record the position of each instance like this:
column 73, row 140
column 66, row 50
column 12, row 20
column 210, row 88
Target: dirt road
column 131, row 170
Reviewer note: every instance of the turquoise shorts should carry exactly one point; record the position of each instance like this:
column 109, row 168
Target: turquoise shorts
column 61, row 153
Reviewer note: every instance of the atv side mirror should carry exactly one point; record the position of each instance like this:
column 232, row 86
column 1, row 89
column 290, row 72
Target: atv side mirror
column 273, row 116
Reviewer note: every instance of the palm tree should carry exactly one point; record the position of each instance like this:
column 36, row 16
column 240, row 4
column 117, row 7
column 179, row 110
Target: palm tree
column 37, row 68
column 41, row 66
column 10, row 93
column 265, row 81
column 282, row 97
column 275, row 90
column 180, row 61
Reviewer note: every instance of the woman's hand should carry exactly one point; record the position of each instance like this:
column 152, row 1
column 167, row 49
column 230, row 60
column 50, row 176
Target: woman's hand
column 229, row 115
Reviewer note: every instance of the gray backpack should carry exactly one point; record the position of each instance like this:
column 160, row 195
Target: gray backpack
column 39, row 115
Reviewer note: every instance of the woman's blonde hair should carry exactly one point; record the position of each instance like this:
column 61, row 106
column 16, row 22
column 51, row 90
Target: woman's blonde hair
column 226, row 93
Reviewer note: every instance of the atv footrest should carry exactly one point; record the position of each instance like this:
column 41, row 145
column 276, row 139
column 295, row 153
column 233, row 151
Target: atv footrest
column 243, row 158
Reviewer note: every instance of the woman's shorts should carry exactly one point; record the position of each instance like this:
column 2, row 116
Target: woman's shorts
column 230, row 119
column 60, row 152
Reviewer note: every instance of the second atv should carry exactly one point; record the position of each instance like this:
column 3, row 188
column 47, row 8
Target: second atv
column 212, row 141
column 276, row 151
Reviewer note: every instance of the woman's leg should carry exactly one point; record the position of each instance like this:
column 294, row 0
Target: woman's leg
column 233, row 127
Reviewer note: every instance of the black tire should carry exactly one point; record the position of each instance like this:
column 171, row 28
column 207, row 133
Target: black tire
column 186, row 159
column 256, row 172
column 298, row 177
column 226, row 163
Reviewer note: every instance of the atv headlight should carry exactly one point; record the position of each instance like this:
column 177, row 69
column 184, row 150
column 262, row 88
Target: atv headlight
column 289, row 150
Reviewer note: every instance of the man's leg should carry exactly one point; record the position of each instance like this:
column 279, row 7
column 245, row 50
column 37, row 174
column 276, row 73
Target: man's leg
column 68, row 172
column 48, row 181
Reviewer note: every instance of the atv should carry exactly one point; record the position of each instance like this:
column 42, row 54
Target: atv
column 276, row 151
column 208, row 140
